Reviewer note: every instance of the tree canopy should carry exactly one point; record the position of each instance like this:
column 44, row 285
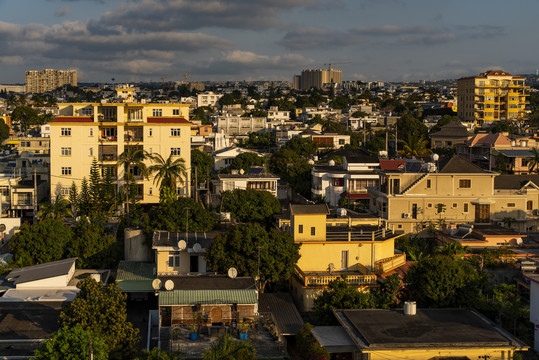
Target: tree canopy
column 102, row 310
column 292, row 168
column 240, row 248
column 73, row 343
column 250, row 205
column 227, row 348
column 202, row 162
column 245, row 160
column 442, row 281
column 304, row 147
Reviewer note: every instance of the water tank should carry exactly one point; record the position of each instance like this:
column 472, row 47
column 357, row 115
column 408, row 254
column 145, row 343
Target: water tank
column 513, row 143
column 341, row 212
column 409, row 308
column 523, row 143
column 331, row 163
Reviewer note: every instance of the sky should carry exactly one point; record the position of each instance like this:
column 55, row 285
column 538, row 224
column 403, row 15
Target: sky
column 369, row 40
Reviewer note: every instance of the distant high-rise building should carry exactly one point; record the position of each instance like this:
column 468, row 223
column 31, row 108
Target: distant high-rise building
column 491, row 96
column 38, row 81
column 316, row 78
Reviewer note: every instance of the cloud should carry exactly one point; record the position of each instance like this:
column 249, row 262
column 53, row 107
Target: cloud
column 482, row 31
column 159, row 15
column 11, row 60
column 62, row 11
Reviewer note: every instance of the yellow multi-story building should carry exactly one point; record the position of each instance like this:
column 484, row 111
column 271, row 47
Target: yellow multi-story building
column 38, row 81
column 84, row 131
column 347, row 244
column 492, row 96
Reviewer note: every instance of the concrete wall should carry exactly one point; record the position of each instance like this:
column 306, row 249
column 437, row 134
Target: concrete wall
column 134, row 247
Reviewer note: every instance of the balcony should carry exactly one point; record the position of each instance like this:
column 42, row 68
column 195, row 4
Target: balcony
column 111, row 138
column 390, row 263
column 323, row 278
column 108, row 157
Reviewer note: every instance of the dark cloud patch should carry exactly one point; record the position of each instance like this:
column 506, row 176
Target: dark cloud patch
column 166, row 15
column 315, row 37
column 482, row 31
column 62, row 11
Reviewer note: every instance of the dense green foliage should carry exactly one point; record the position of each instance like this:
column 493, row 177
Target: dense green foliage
column 203, row 163
column 442, row 281
column 167, row 172
column 242, row 246
column 245, row 160
column 259, row 140
column 304, row 147
column 173, row 216
column 4, row 130
column 307, row 345
column 73, row 343
column 158, row 354
column 250, row 205
column 227, row 348
column 292, row 168
column 102, row 310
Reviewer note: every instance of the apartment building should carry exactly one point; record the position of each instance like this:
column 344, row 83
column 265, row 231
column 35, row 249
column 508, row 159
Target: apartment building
column 239, row 125
column 494, row 95
column 208, row 99
column 85, row 131
column 457, row 192
column 316, row 78
column 38, row 81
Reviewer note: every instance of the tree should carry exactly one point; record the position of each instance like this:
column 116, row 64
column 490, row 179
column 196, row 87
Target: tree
column 304, row 147
column 158, row 354
column 91, row 244
column 203, row 163
column 23, row 117
column 102, row 310
column 243, row 245
column 307, row 345
column 534, row 161
column 501, row 163
column 388, row 294
column 250, row 205
column 340, row 295
column 42, row 242
column 442, row 281
column 294, row 169
column 57, row 210
column 168, row 172
column 227, row 348
column 245, row 160
column 84, row 201
column 4, row 130
column 73, row 343
column 131, row 158
column 416, row 145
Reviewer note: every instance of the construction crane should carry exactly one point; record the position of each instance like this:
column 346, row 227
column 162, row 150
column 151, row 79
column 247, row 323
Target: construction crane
column 186, row 76
column 334, row 63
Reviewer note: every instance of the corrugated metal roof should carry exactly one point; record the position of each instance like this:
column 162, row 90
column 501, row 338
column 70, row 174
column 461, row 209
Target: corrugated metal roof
column 134, row 271
column 287, row 317
column 194, row 297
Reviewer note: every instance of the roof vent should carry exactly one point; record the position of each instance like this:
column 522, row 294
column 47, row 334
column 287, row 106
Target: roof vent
column 409, row 308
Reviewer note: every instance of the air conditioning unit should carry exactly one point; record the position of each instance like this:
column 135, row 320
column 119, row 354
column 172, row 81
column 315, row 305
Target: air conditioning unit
column 405, row 215
column 536, row 212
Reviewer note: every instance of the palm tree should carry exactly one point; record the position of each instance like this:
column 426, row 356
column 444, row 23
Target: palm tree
column 416, row 145
column 168, row 171
column 227, row 348
column 534, row 161
column 57, row 210
column 131, row 159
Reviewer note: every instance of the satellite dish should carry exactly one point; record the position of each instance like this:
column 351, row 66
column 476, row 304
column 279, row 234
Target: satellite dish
column 156, row 284
column 182, row 245
column 197, row 247
column 169, row 285
column 435, row 157
column 232, row 273
column 2, row 227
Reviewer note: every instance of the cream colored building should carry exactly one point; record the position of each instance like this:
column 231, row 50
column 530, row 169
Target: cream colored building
column 316, row 78
column 491, row 96
column 38, row 81
column 408, row 199
column 85, row 131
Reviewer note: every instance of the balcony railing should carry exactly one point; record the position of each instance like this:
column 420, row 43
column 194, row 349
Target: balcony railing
column 108, row 157
column 390, row 263
column 109, row 138
column 353, row 278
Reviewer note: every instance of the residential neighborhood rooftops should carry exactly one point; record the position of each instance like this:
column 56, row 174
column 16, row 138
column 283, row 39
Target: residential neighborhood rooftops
column 459, row 165
column 213, row 296
column 281, row 306
column 515, row 182
column 453, row 129
column 171, row 238
column 516, row 152
column 41, row 271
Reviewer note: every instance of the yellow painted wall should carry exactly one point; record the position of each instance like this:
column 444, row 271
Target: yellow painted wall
column 470, row 353
column 318, row 221
column 162, row 262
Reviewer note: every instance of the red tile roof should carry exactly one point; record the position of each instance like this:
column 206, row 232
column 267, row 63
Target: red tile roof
column 81, row 119
column 391, row 164
column 167, row 120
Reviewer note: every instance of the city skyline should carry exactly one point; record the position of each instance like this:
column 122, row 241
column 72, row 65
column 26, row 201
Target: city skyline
column 386, row 40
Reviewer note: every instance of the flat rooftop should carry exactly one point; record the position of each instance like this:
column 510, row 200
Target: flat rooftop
column 28, row 320
column 428, row 328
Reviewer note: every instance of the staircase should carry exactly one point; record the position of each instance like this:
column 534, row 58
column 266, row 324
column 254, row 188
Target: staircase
column 415, row 182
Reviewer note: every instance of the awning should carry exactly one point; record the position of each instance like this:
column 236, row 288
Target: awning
column 355, row 196
column 483, row 201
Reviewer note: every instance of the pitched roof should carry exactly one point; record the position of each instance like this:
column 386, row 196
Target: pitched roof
column 392, row 164
column 281, row 306
column 514, row 182
column 516, row 152
column 195, row 297
column 41, row 271
column 488, row 139
column 134, row 271
column 453, row 129
column 459, row 165
column 316, row 209
column 167, row 120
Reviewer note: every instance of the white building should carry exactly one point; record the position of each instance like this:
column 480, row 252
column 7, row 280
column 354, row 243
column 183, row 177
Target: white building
column 223, row 158
column 208, row 99
column 238, row 125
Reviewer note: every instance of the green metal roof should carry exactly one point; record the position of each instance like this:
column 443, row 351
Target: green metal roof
column 135, row 276
column 194, row 297
column 134, row 270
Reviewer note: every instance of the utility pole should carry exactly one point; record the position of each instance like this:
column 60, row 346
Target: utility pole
column 208, row 188
column 35, row 195
column 187, row 224
column 196, row 184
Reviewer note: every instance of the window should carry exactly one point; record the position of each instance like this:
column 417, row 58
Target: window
column 341, row 141
column 455, row 205
column 529, row 205
column 91, row 132
column 87, row 111
column 466, row 207
column 313, row 231
column 428, row 183
column 344, row 259
column 510, row 204
column 175, row 132
column 150, row 191
column 175, row 151
column 66, row 151
column 157, row 112
column 338, row 182
column 300, row 229
column 91, row 152
column 175, row 111
column 429, row 205
column 174, row 260
column 65, row 191
column 66, row 132
column 414, row 211
column 151, row 151
column 66, row 170
column 465, row 183
column 150, row 132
